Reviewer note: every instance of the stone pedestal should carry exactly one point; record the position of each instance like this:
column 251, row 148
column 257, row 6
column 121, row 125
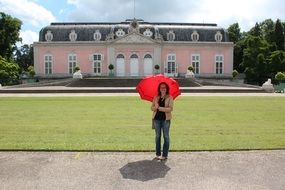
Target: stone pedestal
column 268, row 87
column 77, row 75
column 189, row 74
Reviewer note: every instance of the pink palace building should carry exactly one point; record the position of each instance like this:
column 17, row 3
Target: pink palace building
column 133, row 47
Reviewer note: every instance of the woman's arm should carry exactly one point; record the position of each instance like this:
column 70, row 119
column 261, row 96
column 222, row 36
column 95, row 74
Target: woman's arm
column 154, row 104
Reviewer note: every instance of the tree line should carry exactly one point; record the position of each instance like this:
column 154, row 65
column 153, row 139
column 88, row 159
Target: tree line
column 258, row 53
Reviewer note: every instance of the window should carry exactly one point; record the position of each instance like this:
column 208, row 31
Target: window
column 72, row 36
column 120, row 33
column 97, row 63
column 195, row 36
column 48, row 36
column 120, row 56
column 219, row 64
column 171, row 63
column 134, row 56
column 170, row 36
column 97, row 35
column 218, row 36
column 48, row 64
column 147, row 33
column 71, row 63
column 147, row 56
column 196, row 63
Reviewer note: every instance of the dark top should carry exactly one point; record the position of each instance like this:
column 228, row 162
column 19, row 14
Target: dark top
column 159, row 114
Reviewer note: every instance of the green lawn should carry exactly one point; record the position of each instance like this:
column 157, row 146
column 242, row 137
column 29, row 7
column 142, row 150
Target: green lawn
column 124, row 123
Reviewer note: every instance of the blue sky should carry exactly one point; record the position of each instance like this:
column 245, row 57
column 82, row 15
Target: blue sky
column 36, row 14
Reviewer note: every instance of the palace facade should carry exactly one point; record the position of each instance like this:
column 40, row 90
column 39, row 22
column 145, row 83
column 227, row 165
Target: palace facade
column 133, row 47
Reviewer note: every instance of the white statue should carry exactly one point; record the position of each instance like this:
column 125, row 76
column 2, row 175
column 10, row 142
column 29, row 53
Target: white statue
column 189, row 74
column 77, row 75
column 267, row 86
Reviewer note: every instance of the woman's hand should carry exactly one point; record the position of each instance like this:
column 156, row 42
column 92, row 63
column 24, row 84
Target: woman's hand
column 156, row 106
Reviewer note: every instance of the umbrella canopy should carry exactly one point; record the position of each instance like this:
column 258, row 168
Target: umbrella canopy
column 147, row 87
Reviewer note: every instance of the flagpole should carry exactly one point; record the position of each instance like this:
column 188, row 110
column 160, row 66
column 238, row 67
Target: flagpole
column 134, row 8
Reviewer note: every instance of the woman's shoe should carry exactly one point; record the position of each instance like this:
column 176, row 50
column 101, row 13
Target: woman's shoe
column 163, row 158
column 157, row 158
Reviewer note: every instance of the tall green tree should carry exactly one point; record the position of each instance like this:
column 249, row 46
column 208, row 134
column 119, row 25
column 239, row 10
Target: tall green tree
column 279, row 35
column 9, row 34
column 254, row 59
column 234, row 32
column 24, row 57
column 235, row 36
column 256, row 31
column 267, row 30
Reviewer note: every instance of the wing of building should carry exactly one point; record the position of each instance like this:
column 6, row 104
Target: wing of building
column 134, row 48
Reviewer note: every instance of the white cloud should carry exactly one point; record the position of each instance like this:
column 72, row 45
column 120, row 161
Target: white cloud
column 29, row 37
column 28, row 11
column 222, row 12
column 33, row 16
column 245, row 12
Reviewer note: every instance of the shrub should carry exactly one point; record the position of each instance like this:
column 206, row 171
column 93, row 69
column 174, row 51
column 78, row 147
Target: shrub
column 111, row 67
column 191, row 68
column 156, row 67
column 235, row 73
column 280, row 76
column 31, row 71
column 76, row 68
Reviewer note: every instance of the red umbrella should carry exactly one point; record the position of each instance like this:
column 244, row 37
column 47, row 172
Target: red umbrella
column 147, row 87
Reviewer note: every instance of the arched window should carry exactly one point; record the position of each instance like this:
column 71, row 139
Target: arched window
column 218, row 36
column 49, row 36
column 134, row 56
column 195, row 36
column 147, row 56
column 170, row 36
column 72, row 36
column 120, row 56
column 97, row 35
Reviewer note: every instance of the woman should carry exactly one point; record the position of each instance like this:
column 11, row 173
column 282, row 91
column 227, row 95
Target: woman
column 162, row 106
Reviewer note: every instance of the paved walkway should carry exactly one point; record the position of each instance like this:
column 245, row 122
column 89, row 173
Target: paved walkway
column 189, row 170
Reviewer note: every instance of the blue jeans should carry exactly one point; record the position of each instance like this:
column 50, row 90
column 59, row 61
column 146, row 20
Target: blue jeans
column 162, row 125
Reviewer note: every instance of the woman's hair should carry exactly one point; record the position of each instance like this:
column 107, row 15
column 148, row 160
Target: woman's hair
column 167, row 88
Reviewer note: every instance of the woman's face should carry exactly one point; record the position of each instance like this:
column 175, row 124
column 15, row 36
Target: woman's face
column 162, row 88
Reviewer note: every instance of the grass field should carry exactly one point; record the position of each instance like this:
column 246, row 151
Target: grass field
column 124, row 123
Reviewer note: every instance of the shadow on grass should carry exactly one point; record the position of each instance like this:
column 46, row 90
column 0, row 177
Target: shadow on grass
column 144, row 170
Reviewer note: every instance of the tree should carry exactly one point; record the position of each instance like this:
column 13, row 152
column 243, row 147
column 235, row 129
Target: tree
column 256, row 31
column 9, row 72
column 254, row 59
column 24, row 57
column 267, row 29
column 277, row 62
column 238, row 55
column 9, row 34
column 279, row 35
column 234, row 32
